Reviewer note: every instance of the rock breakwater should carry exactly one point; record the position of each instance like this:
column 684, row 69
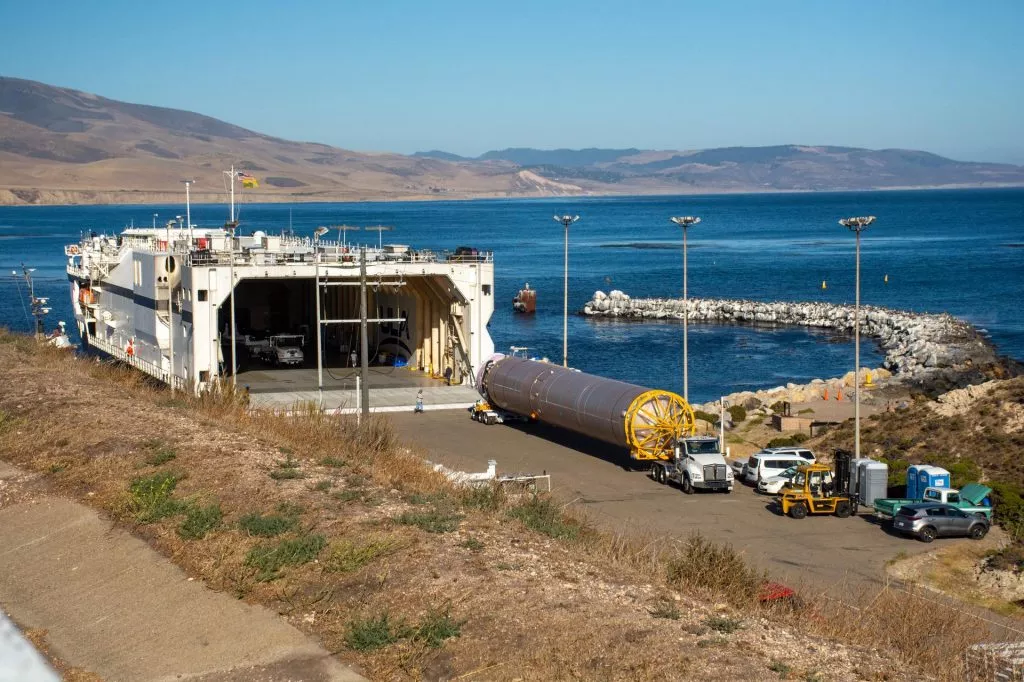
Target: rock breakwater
column 928, row 352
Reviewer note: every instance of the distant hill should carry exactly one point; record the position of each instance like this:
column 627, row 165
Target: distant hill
column 59, row 145
column 738, row 169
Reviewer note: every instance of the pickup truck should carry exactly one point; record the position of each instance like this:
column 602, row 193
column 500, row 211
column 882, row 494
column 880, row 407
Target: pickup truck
column 284, row 349
column 973, row 498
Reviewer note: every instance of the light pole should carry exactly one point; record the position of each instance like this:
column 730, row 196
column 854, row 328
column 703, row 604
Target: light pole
column 154, row 220
column 319, row 232
column 380, row 230
column 857, row 225
column 685, row 222
column 566, row 221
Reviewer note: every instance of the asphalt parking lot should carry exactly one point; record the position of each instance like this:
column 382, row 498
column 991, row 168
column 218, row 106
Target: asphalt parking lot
column 824, row 550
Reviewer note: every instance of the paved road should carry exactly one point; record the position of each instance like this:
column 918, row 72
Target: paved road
column 114, row 606
column 825, row 550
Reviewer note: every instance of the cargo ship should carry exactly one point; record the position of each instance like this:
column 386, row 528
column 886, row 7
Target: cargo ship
column 180, row 302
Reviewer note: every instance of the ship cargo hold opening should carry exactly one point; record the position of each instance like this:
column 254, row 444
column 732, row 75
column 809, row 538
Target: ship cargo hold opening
column 426, row 312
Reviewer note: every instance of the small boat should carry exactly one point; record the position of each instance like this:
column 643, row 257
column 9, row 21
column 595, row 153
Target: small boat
column 525, row 301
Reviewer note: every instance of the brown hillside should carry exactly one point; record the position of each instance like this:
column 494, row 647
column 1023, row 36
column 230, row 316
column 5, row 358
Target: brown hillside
column 353, row 540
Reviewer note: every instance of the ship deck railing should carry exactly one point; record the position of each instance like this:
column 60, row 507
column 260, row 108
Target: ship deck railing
column 329, row 257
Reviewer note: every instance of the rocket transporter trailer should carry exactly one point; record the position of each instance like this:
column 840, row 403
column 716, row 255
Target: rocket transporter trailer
column 653, row 425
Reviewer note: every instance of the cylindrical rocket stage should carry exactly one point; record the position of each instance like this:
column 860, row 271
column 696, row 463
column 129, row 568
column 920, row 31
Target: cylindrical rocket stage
column 646, row 421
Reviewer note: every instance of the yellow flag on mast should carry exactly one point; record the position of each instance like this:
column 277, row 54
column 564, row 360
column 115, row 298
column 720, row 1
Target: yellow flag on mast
column 248, row 181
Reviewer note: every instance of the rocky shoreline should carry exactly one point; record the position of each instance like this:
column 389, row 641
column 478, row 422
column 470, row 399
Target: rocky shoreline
column 926, row 352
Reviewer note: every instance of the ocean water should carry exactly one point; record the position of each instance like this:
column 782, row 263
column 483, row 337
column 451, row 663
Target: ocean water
column 958, row 251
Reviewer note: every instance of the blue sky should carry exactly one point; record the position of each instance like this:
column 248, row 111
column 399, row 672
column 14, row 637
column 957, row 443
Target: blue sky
column 945, row 76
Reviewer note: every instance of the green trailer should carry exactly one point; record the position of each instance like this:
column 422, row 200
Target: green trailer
column 973, row 498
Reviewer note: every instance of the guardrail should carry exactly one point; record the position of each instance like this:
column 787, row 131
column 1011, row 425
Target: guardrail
column 138, row 363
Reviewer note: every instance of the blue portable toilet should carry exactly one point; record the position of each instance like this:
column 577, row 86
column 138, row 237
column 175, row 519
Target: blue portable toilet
column 931, row 477
column 912, row 471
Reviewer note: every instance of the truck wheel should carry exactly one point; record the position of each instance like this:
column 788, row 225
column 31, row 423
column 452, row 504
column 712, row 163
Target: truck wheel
column 687, row 486
column 978, row 531
column 798, row 510
column 662, row 475
column 843, row 509
column 927, row 534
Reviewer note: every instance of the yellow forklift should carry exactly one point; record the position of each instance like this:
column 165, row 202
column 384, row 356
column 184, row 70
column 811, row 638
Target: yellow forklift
column 817, row 489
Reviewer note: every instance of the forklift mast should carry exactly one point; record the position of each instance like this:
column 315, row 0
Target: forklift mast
column 841, row 480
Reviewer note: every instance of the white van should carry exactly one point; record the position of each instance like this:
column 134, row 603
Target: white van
column 773, row 461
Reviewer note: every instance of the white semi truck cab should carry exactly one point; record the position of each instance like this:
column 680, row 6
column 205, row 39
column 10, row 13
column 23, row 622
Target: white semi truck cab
column 696, row 463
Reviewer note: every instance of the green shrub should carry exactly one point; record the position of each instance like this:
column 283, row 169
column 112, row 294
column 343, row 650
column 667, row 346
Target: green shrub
column 666, row 609
column 541, row 514
column 738, row 413
column 1009, row 558
column 1008, row 502
column 347, row 556
column 472, row 544
column 160, row 453
column 706, row 416
column 483, row 497
column 287, row 469
column 267, row 526
column 433, row 521
column 334, row 462
column 723, row 624
column 437, row 626
column 268, row 560
column 788, row 441
column 199, row 521
column 369, row 634
column 151, row 498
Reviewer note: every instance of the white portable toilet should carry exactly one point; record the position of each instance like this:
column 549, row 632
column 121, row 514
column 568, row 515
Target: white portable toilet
column 874, row 481
column 855, row 475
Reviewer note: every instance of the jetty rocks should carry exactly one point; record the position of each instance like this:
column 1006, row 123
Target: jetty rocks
column 916, row 345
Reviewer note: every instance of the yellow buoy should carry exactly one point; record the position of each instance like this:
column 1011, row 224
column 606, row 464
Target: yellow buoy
column 824, row 285
column 886, row 278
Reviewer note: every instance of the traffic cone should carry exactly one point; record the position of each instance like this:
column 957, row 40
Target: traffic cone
column 825, row 395
column 839, row 393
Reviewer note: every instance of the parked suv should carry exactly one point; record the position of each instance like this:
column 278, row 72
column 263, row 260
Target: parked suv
column 927, row 521
column 773, row 461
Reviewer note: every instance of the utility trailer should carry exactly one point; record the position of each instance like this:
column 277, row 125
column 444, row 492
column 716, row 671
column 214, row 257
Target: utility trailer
column 697, row 463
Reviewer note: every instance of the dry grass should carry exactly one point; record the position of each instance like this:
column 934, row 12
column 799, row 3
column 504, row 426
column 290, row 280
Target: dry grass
column 516, row 586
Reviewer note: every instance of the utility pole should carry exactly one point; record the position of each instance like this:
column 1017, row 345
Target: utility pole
column 364, row 362
column 857, row 225
column 566, row 221
column 685, row 222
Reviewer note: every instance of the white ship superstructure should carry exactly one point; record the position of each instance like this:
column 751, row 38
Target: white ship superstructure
column 160, row 299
